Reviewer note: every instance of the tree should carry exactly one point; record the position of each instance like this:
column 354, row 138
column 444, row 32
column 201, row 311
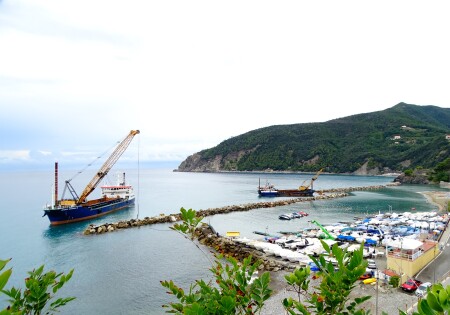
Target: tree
column 333, row 294
column 40, row 290
column 234, row 290
column 436, row 302
column 394, row 281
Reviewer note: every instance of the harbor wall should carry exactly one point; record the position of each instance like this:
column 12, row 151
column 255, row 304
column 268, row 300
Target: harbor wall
column 322, row 195
column 111, row 227
column 229, row 248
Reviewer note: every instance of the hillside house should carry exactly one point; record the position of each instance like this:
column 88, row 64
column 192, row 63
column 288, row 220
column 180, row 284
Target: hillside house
column 447, row 137
column 396, row 137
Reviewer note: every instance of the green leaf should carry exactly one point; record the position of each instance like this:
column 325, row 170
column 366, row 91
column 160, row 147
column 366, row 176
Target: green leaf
column 433, row 302
column 228, row 304
column 443, row 297
column 195, row 309
column 3, row 263
column 4, row 277
column 424, row 308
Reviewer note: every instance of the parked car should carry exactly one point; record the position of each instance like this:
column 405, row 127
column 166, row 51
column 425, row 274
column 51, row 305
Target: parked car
column 411, row 285
column 371, row 264
column 422, row 289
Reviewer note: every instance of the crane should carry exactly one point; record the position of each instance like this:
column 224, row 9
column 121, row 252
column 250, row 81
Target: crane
column 103, row 171
column 303, row 187
column 324, row 230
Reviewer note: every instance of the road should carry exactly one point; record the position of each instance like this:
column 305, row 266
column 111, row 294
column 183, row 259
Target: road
column 439, row 269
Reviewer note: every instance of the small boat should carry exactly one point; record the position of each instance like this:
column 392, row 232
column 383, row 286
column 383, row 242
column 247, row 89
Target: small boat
column 369, row 280
column 286, row 216
column 292, row 215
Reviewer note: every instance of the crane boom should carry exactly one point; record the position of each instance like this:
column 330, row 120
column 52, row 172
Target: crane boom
column 303, row 187
column 107, row 166
column 324, row 230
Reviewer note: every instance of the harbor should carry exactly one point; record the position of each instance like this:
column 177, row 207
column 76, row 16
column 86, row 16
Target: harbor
column 174, row 217
column 139, row 257
column 388, row 237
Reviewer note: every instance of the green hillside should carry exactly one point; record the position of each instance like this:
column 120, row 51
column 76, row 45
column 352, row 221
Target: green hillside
column 402, row 137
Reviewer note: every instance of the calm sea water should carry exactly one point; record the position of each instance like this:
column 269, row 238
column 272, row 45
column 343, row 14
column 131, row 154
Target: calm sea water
column 120, row 272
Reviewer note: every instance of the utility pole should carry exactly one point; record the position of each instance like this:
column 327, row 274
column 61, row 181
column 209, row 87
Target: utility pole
column 376, row 304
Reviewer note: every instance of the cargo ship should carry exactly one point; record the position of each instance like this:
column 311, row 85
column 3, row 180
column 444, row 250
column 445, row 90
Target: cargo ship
column 78, row 208
column 305, row 190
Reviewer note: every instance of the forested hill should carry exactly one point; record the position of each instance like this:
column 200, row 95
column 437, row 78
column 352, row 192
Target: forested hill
column 402, row 137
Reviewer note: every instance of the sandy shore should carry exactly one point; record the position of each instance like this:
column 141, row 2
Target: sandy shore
column 437, row 197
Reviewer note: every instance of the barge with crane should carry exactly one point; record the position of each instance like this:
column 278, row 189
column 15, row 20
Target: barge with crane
column 78, row 208
column 305, row 190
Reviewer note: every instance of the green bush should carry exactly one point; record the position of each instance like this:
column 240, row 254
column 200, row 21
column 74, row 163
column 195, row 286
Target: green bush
column 40, row 290
column 394, row 281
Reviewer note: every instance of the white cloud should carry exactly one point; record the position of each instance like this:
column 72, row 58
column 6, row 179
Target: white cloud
column 45, row 153
column 78, row 75
column 14, row 155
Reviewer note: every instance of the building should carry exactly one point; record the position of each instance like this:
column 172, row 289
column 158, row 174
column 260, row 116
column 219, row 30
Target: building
column 408, row 256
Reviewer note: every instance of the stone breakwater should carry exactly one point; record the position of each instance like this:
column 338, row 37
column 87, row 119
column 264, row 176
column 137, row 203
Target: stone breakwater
column 162, row 218
column 323, row 194
column 228, row 248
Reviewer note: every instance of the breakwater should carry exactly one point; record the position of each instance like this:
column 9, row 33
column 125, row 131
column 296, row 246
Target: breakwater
column 163, row 218
column 229, row 248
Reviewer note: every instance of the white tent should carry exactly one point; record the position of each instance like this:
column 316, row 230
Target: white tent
column 406, row 243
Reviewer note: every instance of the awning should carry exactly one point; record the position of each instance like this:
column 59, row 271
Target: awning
column 405, row 243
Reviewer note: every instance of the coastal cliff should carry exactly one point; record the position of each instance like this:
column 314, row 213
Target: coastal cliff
column 390, row 141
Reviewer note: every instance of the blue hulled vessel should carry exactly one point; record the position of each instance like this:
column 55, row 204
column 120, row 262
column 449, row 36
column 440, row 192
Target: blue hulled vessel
column 78, row 208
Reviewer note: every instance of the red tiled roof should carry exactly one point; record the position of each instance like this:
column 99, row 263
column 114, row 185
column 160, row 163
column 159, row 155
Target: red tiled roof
column 428, row 245
column 390, row 273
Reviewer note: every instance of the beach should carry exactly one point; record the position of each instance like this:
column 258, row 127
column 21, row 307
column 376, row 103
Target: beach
column 438, row 198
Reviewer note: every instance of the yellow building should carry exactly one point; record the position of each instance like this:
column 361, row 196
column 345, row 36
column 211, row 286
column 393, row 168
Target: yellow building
column 408, row 256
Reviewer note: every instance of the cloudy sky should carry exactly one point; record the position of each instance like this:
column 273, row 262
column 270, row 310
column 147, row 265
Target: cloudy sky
column 77, row 76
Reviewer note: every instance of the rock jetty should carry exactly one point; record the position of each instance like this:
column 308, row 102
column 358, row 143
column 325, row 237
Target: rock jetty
column 229, row 248
column 162, row 218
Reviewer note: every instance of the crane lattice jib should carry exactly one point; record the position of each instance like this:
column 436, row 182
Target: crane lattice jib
column 324, row 230
column 103, row 171
column 303, row 187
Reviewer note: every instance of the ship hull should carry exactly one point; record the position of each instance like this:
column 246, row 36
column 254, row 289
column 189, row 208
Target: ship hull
column 295, row 193
column 286, row 193
column 77, row 213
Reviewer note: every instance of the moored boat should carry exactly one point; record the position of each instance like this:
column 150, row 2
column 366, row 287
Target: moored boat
column 292, row 215
column 78, row 208
column 269, row 190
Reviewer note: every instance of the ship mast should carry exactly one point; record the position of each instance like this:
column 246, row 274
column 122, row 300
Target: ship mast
column 55, row 197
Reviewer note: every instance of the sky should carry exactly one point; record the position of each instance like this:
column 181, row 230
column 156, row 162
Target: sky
column 77, row 76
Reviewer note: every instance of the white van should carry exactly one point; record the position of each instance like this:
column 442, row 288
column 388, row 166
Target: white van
column 422, row 289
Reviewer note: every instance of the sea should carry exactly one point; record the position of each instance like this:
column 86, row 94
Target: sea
column 120, row 272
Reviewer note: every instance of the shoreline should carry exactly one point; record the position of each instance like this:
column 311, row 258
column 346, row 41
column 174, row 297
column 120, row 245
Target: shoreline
column 432, row 197
column 390, row 174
